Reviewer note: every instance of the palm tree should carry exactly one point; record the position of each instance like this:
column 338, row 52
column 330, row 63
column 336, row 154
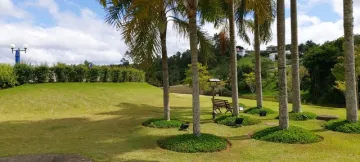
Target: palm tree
column 350, row 78
column 145, row 32
column 233, row 59
column 283, row 112
column 264, row 16
column 296, row 101
column 191, row 9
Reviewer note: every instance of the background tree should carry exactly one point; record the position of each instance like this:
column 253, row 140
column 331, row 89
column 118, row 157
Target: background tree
column 296, row 98
column 204, row 77
column 250, row 80
column 351, row 99
column 264, row 15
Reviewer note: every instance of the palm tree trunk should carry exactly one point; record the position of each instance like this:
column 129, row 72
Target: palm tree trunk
column 283, row 112
column 350, row 79
column 296, row 101
column 195, row 73
column 234, row 81
column 165, row 70
column 259, row 96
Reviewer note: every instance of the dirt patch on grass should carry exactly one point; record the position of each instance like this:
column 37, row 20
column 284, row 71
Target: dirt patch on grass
column 46, row 158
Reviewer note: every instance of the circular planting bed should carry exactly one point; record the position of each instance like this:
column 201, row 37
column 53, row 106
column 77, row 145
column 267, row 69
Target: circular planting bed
column 256, row 111
column 230, row 120
column 343, row 126
column 293, row 135
column 162, row 123
column 191, row 144
column 302, row 116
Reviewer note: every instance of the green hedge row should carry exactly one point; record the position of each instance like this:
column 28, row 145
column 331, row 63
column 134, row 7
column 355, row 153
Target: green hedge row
column 26, row 73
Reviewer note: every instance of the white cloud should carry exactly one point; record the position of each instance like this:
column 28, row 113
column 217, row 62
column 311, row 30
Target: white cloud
column 7, row 8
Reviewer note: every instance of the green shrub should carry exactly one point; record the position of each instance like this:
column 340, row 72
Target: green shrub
column 94, row 74
column 343, row 126
column 52, row 76
column 292, row 135
column 190, row 143
column 80, row 71
column 302, row 116
column 230, row 120
column 105, row 73
column 41, row 73
column 61, row 72
column 7, row 76
column 162, row 123
column 70, row 73
column 256, row 111
column 23, row 72
column 115, row 75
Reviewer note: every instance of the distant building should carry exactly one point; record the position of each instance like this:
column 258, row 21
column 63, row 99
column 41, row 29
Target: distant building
column 272, row 56
column 240, row 51
column 271, row 49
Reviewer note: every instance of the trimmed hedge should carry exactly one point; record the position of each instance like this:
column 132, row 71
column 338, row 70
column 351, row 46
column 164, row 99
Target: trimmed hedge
column 41, row 73
column 23, row 72
column 190, row 144
column 343, row 126
column 293, row 135
column 162, row 123
column 230, row 120
column 303, row 116
column 256, row 111
column 7, row 76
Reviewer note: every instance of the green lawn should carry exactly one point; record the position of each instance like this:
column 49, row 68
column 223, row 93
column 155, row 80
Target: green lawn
column 103, row 121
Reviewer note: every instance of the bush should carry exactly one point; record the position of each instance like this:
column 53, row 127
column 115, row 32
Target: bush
column 23, row 73
column 162, row 123
column 292, row 135
column 61, row 72
column 7, row 76
column 230, row 120
column 105, row 73
column 256, row 111
column 302, row 116
column 94, row 74
column 80, row 71
column 41, row 73
column 115, row 75
column 343, row 126
column 191, row 144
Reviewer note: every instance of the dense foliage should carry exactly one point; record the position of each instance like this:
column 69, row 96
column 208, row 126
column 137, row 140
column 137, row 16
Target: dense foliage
column 343, row 126
column 162, row 123
column 295, row 135
column 256, row 111
column 7, row 76
column 230, row 120
column 191, row 144
column 302, row 116
column 25, row 73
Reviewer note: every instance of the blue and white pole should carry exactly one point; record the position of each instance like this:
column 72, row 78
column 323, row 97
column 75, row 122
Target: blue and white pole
column 17, row 52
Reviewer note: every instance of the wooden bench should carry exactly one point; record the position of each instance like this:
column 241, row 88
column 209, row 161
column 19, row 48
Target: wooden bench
column 218, row 104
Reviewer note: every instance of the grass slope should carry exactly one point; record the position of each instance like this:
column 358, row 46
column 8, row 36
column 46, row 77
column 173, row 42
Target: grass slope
column 103, row 121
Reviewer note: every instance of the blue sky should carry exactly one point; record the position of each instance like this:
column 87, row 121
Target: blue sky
column 73, row 30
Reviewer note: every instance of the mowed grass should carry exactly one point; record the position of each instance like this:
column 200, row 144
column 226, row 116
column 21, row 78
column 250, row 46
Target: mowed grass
column 103, row 121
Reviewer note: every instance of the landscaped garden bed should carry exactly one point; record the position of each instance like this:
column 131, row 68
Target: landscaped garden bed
column 190, row 143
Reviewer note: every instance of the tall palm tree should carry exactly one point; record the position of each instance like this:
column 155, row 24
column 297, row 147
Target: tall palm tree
column 191, row 9
column 296, row 101
column 264, row 16
column 233, row 59
column 144, row 27
column 350, row 78
column 283, row 110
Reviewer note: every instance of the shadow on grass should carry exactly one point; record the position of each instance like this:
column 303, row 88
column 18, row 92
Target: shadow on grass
column 103, row 139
